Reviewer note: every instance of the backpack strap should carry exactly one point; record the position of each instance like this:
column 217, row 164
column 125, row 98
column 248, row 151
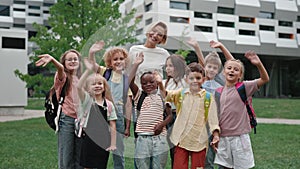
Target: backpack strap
column 107, row 73
column 140, row 102
column 207, row 100
column 240, row 87
column 218, row 93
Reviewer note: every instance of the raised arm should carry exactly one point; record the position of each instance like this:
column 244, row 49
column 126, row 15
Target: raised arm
column 138, row 60
column 96, row 47
column 225, row 51
column 45, row 59
column 254, row 59
column 82, row 80
column 195, row 45
column 160, row 84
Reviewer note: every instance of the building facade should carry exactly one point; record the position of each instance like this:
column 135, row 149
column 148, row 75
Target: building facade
column 16, row 20
column 269, row 27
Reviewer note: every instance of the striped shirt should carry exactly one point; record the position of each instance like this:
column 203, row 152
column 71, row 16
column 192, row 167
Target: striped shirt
column 151, row 113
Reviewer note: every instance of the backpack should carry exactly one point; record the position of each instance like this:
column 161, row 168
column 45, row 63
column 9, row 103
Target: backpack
column 52, row 105
column 107, row 74
column 240, row 87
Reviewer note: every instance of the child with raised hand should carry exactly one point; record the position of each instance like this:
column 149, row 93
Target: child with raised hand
column 175, row 64
column 189, row 133
column 235, row 149
column 116, row 59
column 68, row 71
column 97, row 127
column 151, row 150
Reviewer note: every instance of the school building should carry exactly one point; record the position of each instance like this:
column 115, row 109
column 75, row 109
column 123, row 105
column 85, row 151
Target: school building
column 269, row 27
column 16, row 20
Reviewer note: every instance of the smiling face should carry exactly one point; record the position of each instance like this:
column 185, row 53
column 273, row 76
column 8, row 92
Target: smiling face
column 118, row 62
column 233, row 71
column 71, row 61
column 156, row 34
column 195, row 81
column 148, row 82
column 95, row 85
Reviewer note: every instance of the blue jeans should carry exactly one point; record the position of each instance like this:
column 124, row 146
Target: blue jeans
column 151, row 151
column 118, row 155
column 68, row 144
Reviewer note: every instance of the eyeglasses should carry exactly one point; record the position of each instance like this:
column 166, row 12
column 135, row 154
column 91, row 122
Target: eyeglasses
column 72, row 60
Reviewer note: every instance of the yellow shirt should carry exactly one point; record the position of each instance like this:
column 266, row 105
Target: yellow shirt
column 189, row 130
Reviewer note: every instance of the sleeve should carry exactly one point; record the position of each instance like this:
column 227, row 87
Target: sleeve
column 58, row 84
column 173, row 96
column 251, row 87
column 111, row 115
column 213, row 120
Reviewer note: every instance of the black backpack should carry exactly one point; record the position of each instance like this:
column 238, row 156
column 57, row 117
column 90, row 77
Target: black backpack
column 51, row 105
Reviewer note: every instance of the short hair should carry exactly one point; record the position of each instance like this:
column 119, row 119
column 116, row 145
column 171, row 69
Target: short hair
column 213, row 58
column 194, row 67
column 146, row 73
column 111, row 52
column 241, row 64
column 163, row 25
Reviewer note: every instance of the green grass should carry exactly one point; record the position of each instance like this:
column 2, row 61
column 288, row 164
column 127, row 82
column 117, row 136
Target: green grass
column 30, row 144
column 277, row 108
column 267, row 108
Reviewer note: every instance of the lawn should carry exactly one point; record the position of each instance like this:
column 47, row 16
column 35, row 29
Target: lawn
column 30, row 144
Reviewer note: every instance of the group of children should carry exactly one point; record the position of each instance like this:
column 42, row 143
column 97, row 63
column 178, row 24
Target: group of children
column 179, row 114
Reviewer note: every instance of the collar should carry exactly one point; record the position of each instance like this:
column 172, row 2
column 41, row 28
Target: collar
column 201, row 92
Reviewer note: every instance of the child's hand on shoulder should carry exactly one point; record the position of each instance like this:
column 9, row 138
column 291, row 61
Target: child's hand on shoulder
column 44, row 60
column 111, row 148
column 139, row 58
column 252, row 57
column 97, row 46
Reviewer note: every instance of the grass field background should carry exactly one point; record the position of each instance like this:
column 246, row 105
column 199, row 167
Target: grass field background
column 31, row 144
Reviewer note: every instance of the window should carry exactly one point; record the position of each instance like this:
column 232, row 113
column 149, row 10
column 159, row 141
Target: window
column 47, row 4
column 19, row 25
column 225, row 24
column 298, row 18
column 298, row 31
column 179, row 19
column 46, row 12
column 267, row 15
column 285, row 23
column 246, row 32
column 179, row 5
column 202, row 15
column 4, row 10
column 13, row 43
column 19, row 2
column 246, row 19
column 34, row 14
column 266, row 28
column 225, row 10
column 203, row 28
column 34, row 7
column 148, row 21
column 148, row 7
column 19, row 9
column 286, row 36
column 31, row 34
column 139, row 31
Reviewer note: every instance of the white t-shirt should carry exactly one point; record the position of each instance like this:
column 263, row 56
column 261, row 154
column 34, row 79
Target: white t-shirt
column 154, row 60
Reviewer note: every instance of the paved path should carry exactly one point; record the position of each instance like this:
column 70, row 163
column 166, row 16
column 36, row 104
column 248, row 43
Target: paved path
column 40, row 113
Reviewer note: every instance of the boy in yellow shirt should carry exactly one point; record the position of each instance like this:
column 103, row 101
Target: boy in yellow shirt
column 190, row 132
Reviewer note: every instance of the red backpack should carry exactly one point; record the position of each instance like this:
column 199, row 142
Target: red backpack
column 240, row 87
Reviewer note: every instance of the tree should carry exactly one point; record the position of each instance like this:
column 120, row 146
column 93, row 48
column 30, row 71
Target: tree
column 77, row 24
